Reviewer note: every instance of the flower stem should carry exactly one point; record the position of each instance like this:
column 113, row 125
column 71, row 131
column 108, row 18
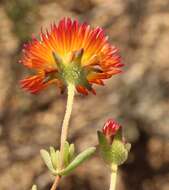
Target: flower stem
column 64, row 133
column 113, row 177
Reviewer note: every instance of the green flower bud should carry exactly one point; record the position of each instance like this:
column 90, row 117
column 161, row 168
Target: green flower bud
column 111, row 142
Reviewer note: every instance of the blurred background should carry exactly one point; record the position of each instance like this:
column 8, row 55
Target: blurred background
column 138, row 99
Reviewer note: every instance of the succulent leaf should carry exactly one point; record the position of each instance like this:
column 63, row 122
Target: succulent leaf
column 79, row 159
column 57, row 158
column 47, row 159
column 66, row 154
column 53, row 157
column 71, row 152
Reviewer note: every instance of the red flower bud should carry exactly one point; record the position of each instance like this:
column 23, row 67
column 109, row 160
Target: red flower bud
column 110, row 128
column 113, row 147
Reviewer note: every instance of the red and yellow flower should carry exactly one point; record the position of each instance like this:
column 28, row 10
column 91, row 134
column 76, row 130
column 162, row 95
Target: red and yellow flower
column 70, row 53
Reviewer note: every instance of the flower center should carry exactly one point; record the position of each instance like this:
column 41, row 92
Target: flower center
column 72, row 73
column 71, row 70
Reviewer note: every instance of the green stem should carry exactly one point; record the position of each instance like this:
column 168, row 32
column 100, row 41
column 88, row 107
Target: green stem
column 113, row 177
column 64, row 133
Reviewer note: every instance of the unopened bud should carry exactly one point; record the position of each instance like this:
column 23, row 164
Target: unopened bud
column 113, row 147
column 110, row 129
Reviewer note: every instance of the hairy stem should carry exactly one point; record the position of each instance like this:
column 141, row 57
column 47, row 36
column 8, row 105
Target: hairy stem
column 64, row 133
column 113, row 177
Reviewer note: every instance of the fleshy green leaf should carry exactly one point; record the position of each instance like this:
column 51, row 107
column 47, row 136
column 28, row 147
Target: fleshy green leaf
column 66, row 154
column 53, row 157
column 71, row 152
column 79, row 159
column 46, row 158
column 57, row 158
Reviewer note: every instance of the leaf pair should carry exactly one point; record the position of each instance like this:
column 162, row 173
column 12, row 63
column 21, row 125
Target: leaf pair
column 52, row 159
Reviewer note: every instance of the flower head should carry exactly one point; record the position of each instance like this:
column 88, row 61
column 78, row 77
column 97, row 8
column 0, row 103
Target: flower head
column 70, row 53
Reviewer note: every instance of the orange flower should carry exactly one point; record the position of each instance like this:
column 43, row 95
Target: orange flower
column 70, row 53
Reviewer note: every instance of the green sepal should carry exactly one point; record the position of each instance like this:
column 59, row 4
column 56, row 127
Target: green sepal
column 71, row 71
column 119, row 153
column 47, row 159
column 34, row 187
column 58, row 61
column 78, row 56
column 85, row 83
column 119, row 134
column 79, row 159
column 105, row 148
column 102, row 139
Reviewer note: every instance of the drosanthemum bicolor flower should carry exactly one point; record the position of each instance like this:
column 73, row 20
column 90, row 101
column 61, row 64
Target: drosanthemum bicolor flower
column 70, row 53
